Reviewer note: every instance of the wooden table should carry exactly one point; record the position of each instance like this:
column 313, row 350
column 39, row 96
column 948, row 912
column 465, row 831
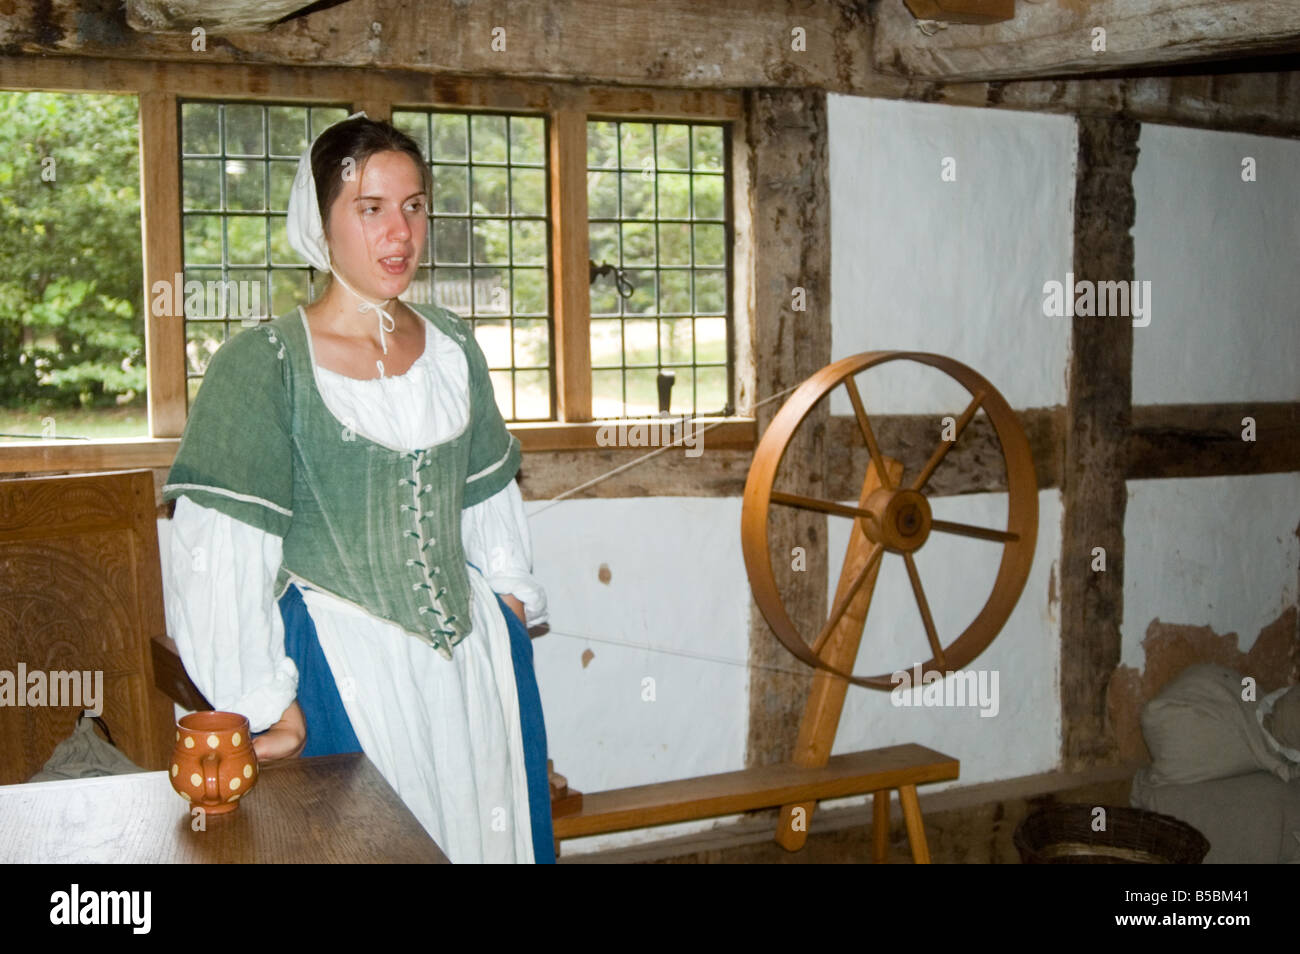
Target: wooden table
column 335, row 808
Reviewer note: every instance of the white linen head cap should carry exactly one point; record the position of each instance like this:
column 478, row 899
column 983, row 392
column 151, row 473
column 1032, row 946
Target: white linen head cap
column 307, row 236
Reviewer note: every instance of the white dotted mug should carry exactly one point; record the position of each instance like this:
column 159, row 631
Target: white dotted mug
column 213, row 764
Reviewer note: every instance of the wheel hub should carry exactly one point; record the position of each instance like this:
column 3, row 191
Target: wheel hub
column 900, row 519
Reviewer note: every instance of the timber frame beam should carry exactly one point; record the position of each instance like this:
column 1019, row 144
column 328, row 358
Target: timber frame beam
column 844, row 46
column 790, row 168
column 1094, row 492
column 1061, row 39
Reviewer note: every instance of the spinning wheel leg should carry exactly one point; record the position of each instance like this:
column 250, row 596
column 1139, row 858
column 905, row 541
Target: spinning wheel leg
column 880, row 826
column 915, row 830
column 826, row 699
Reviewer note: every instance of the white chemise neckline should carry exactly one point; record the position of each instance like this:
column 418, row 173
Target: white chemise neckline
column 425, row 405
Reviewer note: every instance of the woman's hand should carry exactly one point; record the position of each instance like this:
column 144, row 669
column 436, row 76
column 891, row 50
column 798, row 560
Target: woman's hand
column 285, row 739
column 516, row 606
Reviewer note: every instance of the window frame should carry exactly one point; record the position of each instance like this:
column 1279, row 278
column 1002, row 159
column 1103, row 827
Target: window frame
column 566, row 108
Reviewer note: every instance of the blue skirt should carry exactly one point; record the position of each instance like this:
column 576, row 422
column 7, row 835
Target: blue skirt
column 329, row 731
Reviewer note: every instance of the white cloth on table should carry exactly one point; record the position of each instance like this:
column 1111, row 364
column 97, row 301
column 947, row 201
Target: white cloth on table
column 445, row 734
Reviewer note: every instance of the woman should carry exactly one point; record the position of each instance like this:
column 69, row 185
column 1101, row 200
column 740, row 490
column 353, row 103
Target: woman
column 348, row 460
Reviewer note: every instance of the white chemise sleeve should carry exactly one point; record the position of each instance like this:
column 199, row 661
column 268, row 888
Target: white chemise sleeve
column 496, row 540
column 218, row 597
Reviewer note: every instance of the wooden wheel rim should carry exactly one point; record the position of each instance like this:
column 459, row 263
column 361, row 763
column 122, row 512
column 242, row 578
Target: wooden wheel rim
column 1022, row 510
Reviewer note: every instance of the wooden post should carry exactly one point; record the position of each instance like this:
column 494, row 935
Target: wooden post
column 880, row 826
column 1097, row 423
column 160, row 231
column 789, row 211
column 570, row 253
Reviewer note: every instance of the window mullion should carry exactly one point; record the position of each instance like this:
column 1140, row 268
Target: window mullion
column 160, row 224
column 570, row 271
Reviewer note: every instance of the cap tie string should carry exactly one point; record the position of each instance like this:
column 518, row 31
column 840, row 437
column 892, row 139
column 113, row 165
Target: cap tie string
column 386, row 322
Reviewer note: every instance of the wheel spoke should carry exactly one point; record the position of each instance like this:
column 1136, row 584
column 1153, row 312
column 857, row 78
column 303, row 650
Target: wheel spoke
column 979, row 533
column 842, row 604
column 924, row 607
column 868, row 434
column 937, row 457
column 823, row 506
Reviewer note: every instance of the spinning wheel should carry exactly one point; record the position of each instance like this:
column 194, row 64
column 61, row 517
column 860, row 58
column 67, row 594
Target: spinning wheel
column 893, row 517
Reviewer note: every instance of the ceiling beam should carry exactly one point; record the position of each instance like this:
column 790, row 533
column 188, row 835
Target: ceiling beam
column 724, row 44
column 1072, row 37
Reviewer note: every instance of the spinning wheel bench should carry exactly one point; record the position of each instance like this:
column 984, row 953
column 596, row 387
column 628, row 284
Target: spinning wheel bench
column 900, row 767
column 891, row 517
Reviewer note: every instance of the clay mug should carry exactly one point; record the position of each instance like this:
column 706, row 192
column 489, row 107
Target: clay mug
column 213, row 764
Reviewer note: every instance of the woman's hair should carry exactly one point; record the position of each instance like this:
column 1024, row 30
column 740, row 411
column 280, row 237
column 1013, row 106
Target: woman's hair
column 357, row 139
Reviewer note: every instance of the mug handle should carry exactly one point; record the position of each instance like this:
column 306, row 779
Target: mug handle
column 211, row 789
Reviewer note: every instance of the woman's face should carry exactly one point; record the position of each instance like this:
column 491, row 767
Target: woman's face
column 376, row 226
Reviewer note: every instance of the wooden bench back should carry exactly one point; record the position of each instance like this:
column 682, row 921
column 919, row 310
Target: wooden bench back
column 81, row 590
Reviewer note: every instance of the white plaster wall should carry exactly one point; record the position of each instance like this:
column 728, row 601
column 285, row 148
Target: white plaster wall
column 1222, row 256
column 1223, row 259
column 1209, row 551
column 957, row 267
column 678, row 586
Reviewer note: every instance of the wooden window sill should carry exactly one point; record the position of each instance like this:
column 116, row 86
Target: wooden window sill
column 724, row 433
column 123, row 453
column 734, row 433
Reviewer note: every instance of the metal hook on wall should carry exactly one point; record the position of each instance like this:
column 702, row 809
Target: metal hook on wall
column 621, row 281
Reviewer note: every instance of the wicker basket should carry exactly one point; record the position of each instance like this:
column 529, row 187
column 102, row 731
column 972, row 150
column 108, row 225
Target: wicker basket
column 1063, row 834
